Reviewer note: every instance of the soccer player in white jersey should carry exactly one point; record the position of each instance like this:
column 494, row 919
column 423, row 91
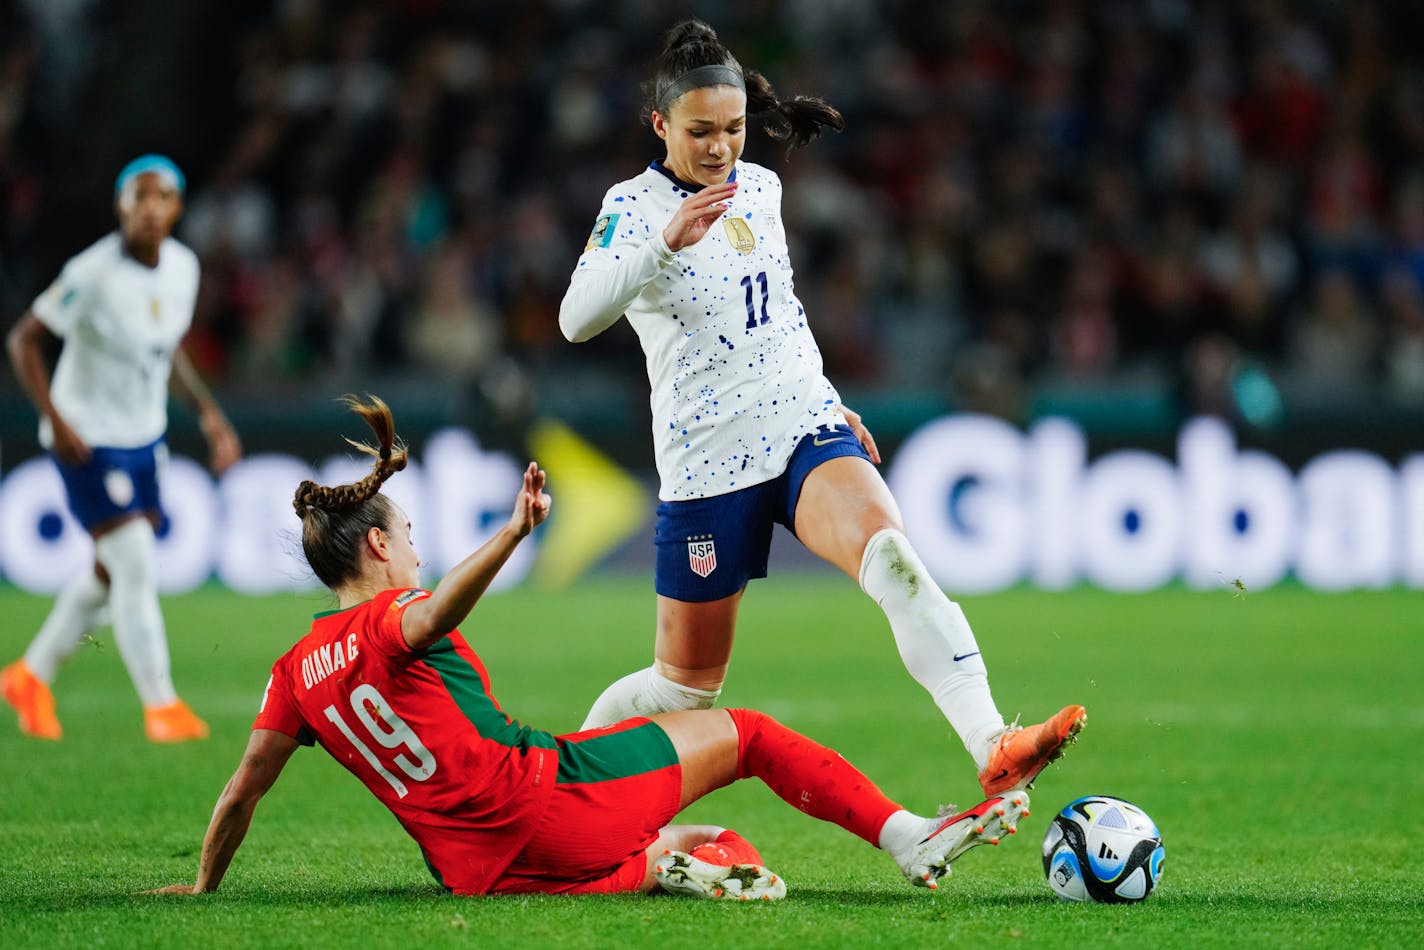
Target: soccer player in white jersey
column 122, row 308
column 747, row 430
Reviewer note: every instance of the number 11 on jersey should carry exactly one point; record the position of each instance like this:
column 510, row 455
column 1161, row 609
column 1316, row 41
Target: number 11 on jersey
column 751, row 303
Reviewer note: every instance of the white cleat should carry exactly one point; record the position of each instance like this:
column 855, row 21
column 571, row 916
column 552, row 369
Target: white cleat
column 680, row 873
column 949, row 837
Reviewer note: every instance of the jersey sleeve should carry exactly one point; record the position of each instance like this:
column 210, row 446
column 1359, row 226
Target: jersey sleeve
column 61, row 305
column 384, row 633
column 278, row 711
column 622, row 256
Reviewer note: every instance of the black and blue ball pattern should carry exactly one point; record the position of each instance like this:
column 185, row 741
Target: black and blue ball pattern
column 1105, row 849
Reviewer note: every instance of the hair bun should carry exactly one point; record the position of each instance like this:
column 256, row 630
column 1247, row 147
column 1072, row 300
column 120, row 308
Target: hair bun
column 690, row 31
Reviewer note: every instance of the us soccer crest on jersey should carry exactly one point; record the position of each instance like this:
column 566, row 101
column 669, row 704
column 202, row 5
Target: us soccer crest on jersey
column 702, row 555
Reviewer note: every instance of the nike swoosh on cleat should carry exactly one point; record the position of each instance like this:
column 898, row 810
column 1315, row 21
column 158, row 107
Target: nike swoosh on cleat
column 964, row 656
column 1002, row 774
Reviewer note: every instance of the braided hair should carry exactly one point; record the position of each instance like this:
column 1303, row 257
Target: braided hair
column 692, row 44
column 335, row 519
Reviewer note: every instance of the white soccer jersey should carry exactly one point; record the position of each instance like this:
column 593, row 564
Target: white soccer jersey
column 736, row 376
column 121, row 323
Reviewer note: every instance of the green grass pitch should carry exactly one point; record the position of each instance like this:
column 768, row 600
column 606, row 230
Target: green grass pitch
column 1275, row 736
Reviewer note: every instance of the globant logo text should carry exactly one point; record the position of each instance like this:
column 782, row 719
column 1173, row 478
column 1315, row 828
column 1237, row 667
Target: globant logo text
column 988, row 506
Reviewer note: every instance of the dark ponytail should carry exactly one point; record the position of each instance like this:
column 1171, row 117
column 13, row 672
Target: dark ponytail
column 797, row 120
column 693, row 44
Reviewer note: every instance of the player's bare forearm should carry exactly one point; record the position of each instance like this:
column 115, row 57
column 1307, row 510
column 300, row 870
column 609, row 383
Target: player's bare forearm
column 232, row 816
column 266, row 755
column 25, row 346
column 231, row 819
column 188, row 384
column 426, row 621
column 223, row 443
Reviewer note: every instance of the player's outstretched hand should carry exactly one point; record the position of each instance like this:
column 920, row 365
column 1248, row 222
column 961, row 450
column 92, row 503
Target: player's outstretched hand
column 174, row 889
column 696, row 214
column 531, row 507
column 862, row 433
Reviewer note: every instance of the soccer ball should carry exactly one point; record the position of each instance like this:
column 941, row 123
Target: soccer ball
column 1103, row 849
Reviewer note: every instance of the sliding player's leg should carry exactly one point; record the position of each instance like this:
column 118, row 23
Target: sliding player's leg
column 718, row 746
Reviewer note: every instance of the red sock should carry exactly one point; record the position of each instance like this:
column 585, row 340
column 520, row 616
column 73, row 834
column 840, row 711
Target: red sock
column 813, row 778
column 730, row 848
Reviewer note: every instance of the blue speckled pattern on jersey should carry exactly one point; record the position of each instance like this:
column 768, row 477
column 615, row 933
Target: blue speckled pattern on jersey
column 736, row 375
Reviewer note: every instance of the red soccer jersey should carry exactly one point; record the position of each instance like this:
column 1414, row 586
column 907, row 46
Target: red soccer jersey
column 424, row 733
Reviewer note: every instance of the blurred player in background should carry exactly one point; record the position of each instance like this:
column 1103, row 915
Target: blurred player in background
column 747, row 430
column 121, row 308
column 393, row 692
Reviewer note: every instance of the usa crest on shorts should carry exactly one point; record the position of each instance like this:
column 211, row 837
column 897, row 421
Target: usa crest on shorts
column 702, row 555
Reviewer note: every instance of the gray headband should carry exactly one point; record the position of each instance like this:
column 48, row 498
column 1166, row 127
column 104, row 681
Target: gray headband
column 697, row 79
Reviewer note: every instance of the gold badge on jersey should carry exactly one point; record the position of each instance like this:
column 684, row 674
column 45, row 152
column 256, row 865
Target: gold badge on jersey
column 740, row 234
column 154, row 309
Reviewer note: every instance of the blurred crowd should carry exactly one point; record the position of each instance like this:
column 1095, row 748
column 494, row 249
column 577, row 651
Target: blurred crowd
column 1223, row 200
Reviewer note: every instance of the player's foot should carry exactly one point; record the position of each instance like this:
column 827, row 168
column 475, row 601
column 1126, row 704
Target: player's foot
column 173, row 723
column 946, row 838
column 32, row 699
column 1021, row 753
column 681, row 873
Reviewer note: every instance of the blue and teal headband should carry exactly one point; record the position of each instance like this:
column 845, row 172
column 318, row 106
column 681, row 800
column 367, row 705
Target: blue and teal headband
column 160, row 165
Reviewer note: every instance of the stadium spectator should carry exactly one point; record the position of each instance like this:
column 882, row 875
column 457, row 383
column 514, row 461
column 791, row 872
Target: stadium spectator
column 976, row 136
column 394, row 693
column 747, row 430
column 1337, row 347
column 122, row 308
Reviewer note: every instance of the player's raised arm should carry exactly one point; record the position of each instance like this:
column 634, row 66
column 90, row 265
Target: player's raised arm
column 267, row 753
column 427, row 620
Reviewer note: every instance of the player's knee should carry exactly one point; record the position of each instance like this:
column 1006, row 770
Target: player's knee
column 670, row 695
column 705, row 679
column 891, row 568
column 127, row 554
column 757, row 740
column 748, row 723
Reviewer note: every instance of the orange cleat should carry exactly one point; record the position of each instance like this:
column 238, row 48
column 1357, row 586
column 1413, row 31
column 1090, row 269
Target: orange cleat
column 1021, row 754
column 173, row 723
column 32, row 699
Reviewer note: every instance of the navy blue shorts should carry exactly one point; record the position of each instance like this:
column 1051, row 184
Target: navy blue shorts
column 115, row 482
column 708, row 548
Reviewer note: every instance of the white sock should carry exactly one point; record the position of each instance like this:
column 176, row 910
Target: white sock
column 903, row 830
column 934, row 639
column 76, row 611
column 645, row 693
column 127, row 553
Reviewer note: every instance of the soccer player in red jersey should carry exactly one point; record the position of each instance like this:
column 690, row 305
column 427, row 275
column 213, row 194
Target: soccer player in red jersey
column 393, row 692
